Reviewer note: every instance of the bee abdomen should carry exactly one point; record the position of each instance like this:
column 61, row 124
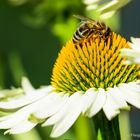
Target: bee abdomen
column 79, row 35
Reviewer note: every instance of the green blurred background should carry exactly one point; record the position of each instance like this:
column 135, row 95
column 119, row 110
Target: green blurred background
column 32, row 32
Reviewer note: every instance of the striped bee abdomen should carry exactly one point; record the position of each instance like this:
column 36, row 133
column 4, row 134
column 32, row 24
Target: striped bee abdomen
column 82, row 32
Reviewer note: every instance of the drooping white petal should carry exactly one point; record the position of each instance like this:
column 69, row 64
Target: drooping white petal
column 11, row 93
column 38, row 105
column 130, row 94
column 109, row 5
column 92, row 7
column 4, row 117
column 51, row 106
column 113, row 5
column 88, row 98
column 26, row 85
column 117, row 98
column 135, row 48
column 73, row 112
column 98, row 103
column 91, row 1
column 24, row 100
column 133, row 54
column 23, row 113
column 64, row 110
column 107, row 15
column 110, row 108
column 137, row 60
column 135, row 44
column 128, row 62
column 129, row 53
column 29, row 89
column 22, row 127
column 134, row 86
column 13, row 120
column 45, row 89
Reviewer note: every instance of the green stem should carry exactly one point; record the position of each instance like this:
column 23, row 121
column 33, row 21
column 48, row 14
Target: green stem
column 83, row 134
column 109, row 129
column 124, row 124
column 31, row 135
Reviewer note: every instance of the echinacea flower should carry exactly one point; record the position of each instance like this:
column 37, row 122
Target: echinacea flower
column 133, row 53
column 87, row 78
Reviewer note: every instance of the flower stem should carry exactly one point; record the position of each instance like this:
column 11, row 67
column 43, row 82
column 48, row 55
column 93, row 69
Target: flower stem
column 124, row 124
column 109, row 130
column 31, row 135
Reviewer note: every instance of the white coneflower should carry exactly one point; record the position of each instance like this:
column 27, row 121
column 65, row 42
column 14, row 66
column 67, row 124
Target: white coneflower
column 133, row 53
column 87, row 78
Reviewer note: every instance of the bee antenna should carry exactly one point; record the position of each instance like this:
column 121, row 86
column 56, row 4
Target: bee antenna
column 76, row 16
column 79, row 17
column 82, row 18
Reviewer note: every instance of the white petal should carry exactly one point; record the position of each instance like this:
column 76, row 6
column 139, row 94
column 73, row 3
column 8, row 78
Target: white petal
column 38, row 105
column 23, row 113
column 135, row 48
column 29, row 89
column 24, row 100
column 110, row 108
column 88, row 98
column 128, row 62
column 137, row 60
column 107, row 15
column 64, row 110
column 13, row 120
column 22, row 127
column 135, row 43
column 11, row 93
column 88, row 2
column 134, row 86
column 92, row 6
column 113, row 5
column 135, row 40
column 129, row 53
column 117, row 97
column 26, row 85
column 130, row 94
column 45, row 89
column 73, row 112
column 98, row 103
column 133, row 55
column 4, row 117
column 110, row 4
column 51, row 106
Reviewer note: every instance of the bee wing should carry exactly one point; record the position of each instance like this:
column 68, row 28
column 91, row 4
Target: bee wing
column 82, row 18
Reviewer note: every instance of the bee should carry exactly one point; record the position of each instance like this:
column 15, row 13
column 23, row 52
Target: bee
column 88, row 27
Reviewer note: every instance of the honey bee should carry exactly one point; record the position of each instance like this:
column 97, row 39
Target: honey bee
column 89, row 26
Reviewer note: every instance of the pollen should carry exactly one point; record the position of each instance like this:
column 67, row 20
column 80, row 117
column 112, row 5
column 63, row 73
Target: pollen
column 93, row 63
